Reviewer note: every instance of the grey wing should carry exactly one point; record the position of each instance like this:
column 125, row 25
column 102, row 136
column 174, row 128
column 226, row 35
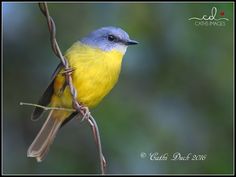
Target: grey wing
column 46, row 97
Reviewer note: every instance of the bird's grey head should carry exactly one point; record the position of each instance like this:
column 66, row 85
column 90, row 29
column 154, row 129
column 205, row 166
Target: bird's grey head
column 109, row 38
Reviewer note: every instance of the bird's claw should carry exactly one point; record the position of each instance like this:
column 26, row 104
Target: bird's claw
column 85, row 113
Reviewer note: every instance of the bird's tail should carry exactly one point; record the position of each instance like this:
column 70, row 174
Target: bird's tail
column 40, row 146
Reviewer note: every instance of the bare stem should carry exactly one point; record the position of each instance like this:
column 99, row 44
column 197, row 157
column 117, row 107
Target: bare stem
column 46, row 107
column 55, row 47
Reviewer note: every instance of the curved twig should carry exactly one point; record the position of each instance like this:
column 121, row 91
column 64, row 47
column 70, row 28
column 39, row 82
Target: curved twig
column 55, row 47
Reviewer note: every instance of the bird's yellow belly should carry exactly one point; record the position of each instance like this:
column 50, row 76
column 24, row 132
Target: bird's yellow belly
column 93, row 84
column 93, row 77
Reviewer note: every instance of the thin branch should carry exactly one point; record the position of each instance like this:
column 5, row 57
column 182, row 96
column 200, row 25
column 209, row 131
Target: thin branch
column 97, row 138
column 46, row 107
column 55, row 47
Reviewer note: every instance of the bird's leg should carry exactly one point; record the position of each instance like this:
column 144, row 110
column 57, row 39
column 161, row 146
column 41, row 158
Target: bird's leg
column 84, row 110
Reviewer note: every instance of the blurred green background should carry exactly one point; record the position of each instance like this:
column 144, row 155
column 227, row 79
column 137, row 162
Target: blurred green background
column 175, row 92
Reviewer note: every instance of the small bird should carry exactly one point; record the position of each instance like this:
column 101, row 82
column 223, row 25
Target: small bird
column 96, row 63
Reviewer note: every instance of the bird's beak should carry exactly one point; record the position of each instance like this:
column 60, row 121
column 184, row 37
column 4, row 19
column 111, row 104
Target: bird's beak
column 131, row 42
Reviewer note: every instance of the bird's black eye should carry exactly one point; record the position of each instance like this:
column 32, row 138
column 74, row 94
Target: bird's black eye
column 111, row 37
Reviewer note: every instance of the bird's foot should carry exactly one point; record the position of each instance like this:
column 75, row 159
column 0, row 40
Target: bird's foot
column 85, row 113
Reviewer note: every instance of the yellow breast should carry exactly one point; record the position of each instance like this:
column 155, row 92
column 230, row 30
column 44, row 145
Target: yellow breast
column 95, row 74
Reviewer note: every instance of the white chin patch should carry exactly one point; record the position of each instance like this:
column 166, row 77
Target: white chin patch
column 121, row 48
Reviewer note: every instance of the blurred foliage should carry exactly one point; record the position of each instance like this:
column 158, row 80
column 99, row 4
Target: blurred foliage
column 175, row 92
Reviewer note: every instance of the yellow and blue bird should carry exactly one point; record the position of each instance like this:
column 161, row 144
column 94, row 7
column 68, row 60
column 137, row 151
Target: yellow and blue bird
column 96, row 62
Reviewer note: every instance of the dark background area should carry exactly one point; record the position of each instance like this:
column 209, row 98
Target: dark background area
column 175, row 92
